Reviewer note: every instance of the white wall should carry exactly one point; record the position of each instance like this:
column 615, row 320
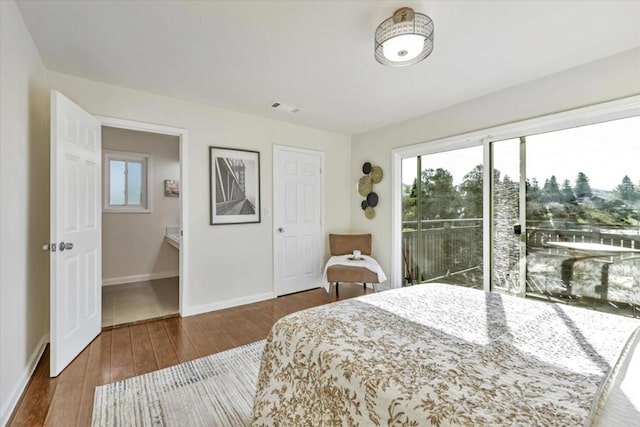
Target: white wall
column 24, row 206
column 133, row 244
column 604, row 80
column 228, row 264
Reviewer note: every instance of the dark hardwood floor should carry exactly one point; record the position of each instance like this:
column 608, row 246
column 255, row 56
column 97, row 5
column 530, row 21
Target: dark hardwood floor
column 127, row 351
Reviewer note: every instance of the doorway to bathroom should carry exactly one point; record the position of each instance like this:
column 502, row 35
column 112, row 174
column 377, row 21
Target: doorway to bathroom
column 141, row 225
column 75, row 247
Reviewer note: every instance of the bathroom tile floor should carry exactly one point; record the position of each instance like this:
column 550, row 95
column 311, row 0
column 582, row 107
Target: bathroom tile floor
column 133, row 302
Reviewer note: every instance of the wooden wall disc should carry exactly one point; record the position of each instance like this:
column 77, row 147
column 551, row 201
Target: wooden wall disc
column 372, row 199
column 369, row 212
column 376, row 174
column 365, row 185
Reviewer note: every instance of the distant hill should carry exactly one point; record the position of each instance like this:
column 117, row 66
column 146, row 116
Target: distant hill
column 603, row 194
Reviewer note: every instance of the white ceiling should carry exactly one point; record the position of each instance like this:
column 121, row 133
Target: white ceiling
column 318, row 55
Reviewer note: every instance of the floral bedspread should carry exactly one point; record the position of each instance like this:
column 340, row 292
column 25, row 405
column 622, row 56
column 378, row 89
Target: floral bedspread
column 438, row 355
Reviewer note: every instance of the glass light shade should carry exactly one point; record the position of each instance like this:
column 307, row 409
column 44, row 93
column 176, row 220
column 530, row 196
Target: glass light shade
column 403, row 48
column 404, row 39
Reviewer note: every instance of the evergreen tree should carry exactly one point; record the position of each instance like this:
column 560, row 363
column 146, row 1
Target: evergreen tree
column 551, row 190
column 533, row 190
column 536, row 211
column 582, row 188
column 568, row 195
column 626, row 190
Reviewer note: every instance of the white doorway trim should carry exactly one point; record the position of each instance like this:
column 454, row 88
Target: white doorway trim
column 322, row 244
column 183, row 136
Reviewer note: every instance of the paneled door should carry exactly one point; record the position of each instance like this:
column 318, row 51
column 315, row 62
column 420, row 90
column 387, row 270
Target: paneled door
column 297, row 219
column 75, row 250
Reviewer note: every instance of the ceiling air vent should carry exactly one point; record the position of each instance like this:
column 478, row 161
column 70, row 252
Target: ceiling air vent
column 291, row 109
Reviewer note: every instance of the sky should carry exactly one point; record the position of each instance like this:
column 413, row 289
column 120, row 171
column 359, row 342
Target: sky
column 605, row 152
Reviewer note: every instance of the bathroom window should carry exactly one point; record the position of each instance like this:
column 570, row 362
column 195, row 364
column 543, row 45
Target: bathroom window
column 126, row 182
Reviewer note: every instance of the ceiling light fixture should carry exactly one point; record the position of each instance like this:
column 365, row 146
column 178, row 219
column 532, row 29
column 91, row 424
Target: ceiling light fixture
column 404, row 39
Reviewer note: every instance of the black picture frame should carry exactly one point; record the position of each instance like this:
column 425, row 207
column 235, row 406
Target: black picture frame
column 234, row 186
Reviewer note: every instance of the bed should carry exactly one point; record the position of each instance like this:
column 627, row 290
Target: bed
column 442, row 355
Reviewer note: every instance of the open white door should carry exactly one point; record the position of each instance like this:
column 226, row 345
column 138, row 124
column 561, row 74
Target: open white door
column 297, row 217
column 75, row 231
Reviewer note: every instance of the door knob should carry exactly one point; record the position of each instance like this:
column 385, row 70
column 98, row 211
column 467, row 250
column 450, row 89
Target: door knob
column 62, row 246
column 280, row 230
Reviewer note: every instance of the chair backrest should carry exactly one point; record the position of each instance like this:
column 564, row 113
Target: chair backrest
column 342, row 244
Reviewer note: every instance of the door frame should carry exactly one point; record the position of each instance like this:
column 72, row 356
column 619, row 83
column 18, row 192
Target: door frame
column 606, row 111
column 323, row 244
column 183, row 137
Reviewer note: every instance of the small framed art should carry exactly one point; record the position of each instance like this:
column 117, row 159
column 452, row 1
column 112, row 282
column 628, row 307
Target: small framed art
column 171, row 188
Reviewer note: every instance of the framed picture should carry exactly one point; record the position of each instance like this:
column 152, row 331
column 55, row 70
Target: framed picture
column 234, row 186
column 171, row 188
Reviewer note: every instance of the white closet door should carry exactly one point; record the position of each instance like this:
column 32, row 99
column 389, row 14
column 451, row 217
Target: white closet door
column 297, row 219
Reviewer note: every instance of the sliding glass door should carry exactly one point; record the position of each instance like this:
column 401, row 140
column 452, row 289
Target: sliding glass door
column 558, row 219
column 566, row 216
column 442, row 197
column 583, row 215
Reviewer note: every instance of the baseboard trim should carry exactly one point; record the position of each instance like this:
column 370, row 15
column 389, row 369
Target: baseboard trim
column 139, row 278
column 205, row 308
column 7, row 408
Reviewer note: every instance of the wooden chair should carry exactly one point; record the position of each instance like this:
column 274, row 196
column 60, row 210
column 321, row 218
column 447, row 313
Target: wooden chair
column 344, row 244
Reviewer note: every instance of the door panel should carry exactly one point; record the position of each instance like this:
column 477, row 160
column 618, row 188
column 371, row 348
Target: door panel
column 71, row 291
column 291, row 246
column 583, row 215
column 291, row 203
column 75, row 218
column 579, row 216
column 90, row 301
column 297, row 220
column 442, row 217
column 309, row 254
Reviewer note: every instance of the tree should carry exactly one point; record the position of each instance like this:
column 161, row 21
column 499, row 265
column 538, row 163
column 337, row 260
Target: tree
column 535, row 209
column 471, row 193
column 582, row 188
column 440, row 197
column 408, row 202
column 627, row 191
column 533, row 190
column 551, row 190
column 568, row 196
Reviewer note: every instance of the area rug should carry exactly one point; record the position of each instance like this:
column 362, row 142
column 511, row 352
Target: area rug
column 216, row 390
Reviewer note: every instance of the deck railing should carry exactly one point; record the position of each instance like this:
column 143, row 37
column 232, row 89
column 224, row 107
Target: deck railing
column 450, row 246
column 540, row 232
column 441, row 247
